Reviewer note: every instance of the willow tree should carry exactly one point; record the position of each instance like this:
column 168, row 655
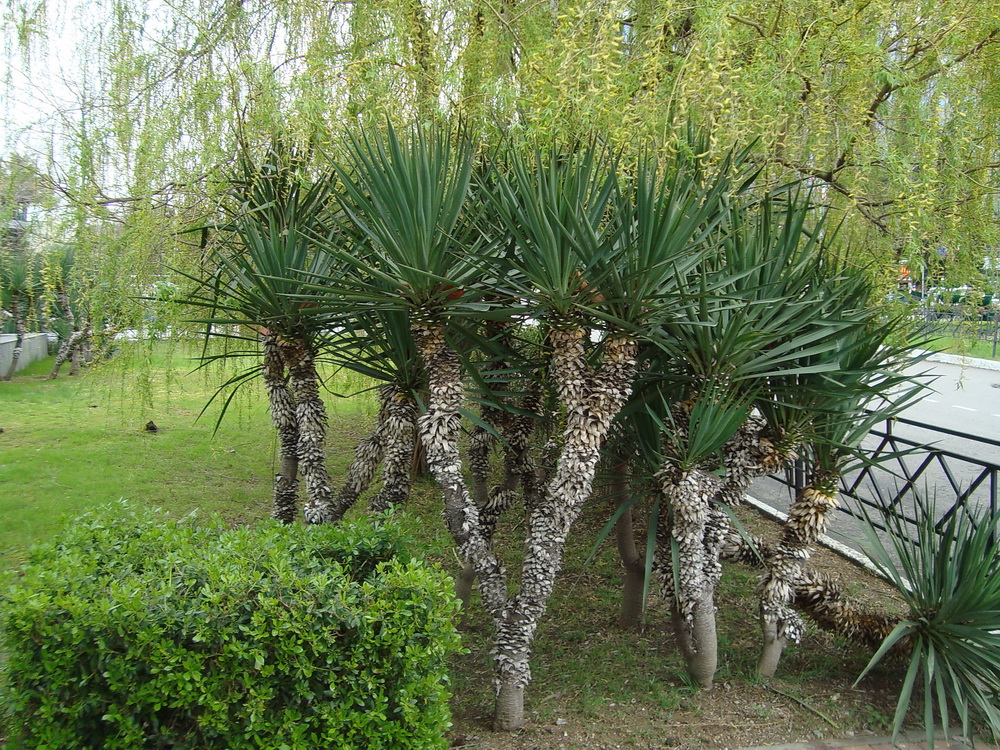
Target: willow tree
column 888, row 107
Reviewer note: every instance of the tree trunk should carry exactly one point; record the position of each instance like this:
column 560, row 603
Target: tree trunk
column 367, row 455
column 820, row 597
column 70, row 349
column 399, row 439
column 439, row 429
column 807, row 519
column 310, row 417
column 509, row 714
column 424, row 65
column 21, row 330
column 591, row 402
column 633, row 607
column 689, row 494
column 282, row 407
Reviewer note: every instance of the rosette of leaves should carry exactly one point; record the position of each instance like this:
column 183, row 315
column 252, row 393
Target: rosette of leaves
column 946, row 568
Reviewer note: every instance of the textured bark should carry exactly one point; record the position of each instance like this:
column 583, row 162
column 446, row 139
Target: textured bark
column 21, row 330
column 69, row 344
column 400, row 437
column 515, row 431
column 747, row 455
column 591, row 402
column 688, row 494
column 282, row 407
column 439, row 429
column 391, row 443
column 310, row 417
column 71, row 348
column 821, row 597
column 807, row 519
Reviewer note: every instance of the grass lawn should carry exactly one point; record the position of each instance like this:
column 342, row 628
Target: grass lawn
column 74, row 443
column 966, row 348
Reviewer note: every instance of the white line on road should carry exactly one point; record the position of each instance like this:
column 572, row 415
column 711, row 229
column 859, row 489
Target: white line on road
column 964, row 407
column 932, row 401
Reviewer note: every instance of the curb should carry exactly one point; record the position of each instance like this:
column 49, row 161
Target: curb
column 961, row 361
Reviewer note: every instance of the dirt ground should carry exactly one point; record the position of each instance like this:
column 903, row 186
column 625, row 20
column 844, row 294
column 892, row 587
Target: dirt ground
column 812, row 697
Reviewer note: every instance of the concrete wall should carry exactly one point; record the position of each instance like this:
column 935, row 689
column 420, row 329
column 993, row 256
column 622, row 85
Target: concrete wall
column 36, row 347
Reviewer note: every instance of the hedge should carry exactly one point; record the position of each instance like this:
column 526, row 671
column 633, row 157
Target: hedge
column 132, row 631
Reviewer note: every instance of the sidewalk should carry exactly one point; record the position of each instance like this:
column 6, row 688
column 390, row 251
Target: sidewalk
column 963, row 361
column 907, row 741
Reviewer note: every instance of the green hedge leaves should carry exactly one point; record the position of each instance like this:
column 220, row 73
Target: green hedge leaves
column 133, row 631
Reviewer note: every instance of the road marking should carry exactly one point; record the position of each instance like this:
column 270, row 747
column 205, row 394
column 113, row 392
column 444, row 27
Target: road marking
column 932, row 401
column 963, row 407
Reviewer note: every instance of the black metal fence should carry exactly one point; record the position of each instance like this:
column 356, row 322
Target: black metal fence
column 906, row 470
column 963, row 325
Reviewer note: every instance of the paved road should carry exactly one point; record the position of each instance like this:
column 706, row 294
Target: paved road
column 964, row 399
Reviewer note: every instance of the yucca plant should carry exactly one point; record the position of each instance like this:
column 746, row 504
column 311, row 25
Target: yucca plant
column 755, row 313
column 947, row 570
column 251, row 292
column 72, row 332
column 593, row 249
column 406, row 196
column 833, row 410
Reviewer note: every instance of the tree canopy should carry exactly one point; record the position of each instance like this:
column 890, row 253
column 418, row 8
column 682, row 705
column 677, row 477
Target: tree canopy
column 887, row 108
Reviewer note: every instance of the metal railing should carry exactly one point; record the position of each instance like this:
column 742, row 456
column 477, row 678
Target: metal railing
column 905, row 471
column 982, row 326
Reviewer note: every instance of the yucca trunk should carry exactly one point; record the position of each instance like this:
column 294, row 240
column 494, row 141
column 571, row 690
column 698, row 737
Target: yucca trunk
column 391, row 443
column 481, row 443
column 68, row 346
column 630, row 616
column 21, row 330
column 71, row 349
column 281, row 404
column 748, row 455
column 399, row 435
column 367, row 455
column 310, row 418
column 820, row 597
column 690, row 527
column 591, row 401
column 807, row 519
column 439, row 430
column 519, row 468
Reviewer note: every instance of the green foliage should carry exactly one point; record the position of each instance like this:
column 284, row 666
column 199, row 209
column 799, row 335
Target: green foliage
column 131, row 631
column 948, row 573
column 255, row 274
column 404, row 196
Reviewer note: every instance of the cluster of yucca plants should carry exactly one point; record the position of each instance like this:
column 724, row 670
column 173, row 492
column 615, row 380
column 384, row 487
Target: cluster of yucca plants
column 660, row 313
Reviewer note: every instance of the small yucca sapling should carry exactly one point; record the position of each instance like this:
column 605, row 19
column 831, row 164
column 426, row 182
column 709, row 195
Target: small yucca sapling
column 947, row 570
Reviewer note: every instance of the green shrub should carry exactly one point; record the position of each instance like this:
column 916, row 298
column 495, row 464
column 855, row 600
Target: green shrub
column 132, row 631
